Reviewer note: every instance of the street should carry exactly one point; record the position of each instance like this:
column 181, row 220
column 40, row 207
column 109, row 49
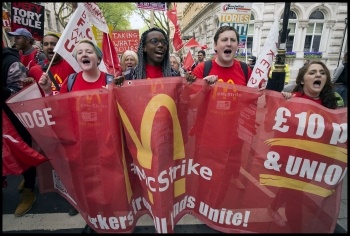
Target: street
column 49, row 214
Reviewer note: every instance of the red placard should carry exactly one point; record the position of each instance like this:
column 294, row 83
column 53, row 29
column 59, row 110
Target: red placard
column 125, row 40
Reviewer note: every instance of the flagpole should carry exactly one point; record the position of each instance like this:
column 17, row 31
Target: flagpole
column 110, row 51
column 279, row 74
column 48, row 68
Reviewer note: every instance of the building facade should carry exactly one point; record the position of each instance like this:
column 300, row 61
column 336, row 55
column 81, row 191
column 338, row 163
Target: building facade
column 318, row 31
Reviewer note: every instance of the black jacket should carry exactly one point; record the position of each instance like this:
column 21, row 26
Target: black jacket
column 9, row 56
column 343, row 77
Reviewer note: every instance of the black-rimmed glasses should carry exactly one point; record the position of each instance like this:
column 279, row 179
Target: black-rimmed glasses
column 156, row 41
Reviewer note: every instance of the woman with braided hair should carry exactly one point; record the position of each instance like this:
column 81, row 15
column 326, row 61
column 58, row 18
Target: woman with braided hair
column 154, row 58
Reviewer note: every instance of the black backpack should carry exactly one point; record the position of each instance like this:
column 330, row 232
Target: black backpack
column 209, row 64
column 71, row 80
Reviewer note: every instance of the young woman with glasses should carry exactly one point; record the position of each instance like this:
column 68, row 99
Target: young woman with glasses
column 154, row 58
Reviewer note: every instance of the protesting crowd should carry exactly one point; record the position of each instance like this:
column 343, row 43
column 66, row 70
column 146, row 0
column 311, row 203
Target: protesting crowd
column 25, row 65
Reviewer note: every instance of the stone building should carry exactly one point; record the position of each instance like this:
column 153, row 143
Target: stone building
column 318, row 31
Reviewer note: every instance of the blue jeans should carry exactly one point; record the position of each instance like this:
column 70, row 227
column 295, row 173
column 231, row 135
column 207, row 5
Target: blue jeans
column 343, row 92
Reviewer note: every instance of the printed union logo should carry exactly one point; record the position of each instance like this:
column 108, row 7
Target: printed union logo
column 89, row 116
column 223, row 105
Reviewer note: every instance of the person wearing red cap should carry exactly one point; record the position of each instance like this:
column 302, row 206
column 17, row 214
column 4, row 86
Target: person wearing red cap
column 24, row 42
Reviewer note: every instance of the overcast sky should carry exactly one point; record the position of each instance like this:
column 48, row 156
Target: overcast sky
column 136, row 22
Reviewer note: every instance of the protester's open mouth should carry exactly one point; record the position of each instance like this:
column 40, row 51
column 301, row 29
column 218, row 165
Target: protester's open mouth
column 228, row 51
column 317, row 83
column 159, row 54
column 86, row 61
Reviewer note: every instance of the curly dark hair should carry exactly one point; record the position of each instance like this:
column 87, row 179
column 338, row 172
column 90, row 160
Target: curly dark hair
column 140, row 69
column 327, row 95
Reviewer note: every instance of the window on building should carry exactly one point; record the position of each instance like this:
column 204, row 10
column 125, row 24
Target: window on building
column 292, row 22
column 58, row 25
column 314, row 32
column 48, row 19
column 250, row 34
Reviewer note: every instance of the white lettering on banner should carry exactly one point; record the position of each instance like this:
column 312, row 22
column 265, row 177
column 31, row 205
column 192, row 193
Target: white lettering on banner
column 123, row 49
column 311, row 125
column 169, row 176
column 27, row 18
column 221, row 216
column 339, row 134
column 305, row 168
column 38, row 118
column 185, row 203
column 120, row 222
column 120, row 35
column 224, row 216
column 125, row 43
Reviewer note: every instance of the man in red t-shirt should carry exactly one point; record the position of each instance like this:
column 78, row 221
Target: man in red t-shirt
column 60, row 69
column 24, row 41
column 226, row 135
column 225, row 66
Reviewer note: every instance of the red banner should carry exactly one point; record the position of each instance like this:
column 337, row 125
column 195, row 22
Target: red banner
column 17, row 156
column 110, row 57
column 177, row 40
column 125, row 40
column 242, row 161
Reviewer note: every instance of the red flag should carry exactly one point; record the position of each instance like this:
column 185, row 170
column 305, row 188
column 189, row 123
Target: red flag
column 192, row 43
column 177, row 40
column 188, row 62
column 17, row 156
column 110, row 57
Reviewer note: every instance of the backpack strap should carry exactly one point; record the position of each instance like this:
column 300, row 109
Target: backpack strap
column 44, row 68
column 71, row 80
column 245, row 70
column 209, row 64
column 207, row 67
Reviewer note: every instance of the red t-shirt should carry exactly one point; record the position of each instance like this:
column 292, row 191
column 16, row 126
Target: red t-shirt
column 81, row 84
column 153, row 71
column 60, row 72
column 303, row 95
column 233, row 74
column 28, row 60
